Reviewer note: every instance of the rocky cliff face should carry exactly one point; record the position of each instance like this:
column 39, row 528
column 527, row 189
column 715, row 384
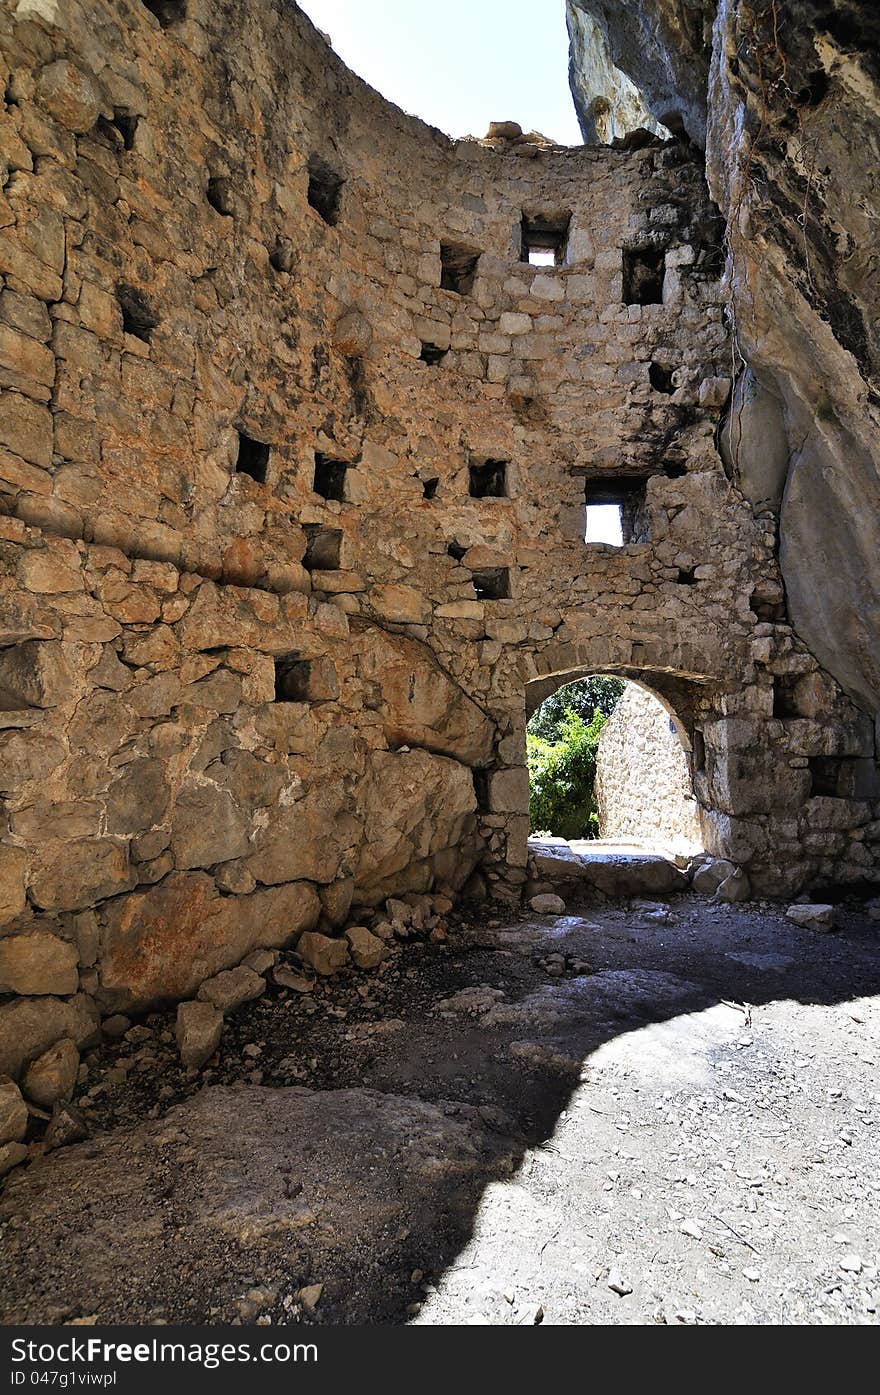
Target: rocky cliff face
column 785, row 98
column 609, row 105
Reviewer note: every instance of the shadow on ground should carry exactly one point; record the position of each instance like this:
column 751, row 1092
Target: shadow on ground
column 488, row 1133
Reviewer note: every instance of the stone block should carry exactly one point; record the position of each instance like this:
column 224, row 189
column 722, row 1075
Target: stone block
column 70, row 95
column 52, row 1076
column 37, row 962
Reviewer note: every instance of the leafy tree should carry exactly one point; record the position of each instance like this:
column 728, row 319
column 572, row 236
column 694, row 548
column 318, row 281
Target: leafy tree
column 586, row 697
column 562, row 775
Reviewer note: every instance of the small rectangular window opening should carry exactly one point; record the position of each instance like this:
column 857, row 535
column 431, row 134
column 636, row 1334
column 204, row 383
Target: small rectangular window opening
column 429, row 488
column 458, row 267
column 643, row 272
column 137, row 317
column 167, row 12
column 493, row 584
column 604, row 524
column 616, row 511
column 291, row 678
column 253, row 458
column 432, row 354
column 487, row 479
column 325, row 190
column 545, row 238
column 323, row 548
column 330, row 477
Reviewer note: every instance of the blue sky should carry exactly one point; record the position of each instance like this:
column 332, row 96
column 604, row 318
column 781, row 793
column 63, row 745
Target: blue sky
column 460, row 64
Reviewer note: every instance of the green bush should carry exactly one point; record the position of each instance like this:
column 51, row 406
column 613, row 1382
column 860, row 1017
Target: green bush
column 562, row 774
column 586, row 697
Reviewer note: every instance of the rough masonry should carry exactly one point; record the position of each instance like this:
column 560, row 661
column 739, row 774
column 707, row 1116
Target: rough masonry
column 295, row 449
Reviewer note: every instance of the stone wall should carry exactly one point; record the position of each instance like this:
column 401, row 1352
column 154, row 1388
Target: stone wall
column 644, row 787
column 294, row 453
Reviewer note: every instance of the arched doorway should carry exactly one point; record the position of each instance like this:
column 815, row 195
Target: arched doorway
column 609, row 764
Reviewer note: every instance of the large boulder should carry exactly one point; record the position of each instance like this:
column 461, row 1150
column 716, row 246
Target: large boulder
column 416, row 806
column 418, row 703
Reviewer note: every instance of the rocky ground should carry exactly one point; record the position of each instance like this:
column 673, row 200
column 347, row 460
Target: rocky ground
column 624, row 1116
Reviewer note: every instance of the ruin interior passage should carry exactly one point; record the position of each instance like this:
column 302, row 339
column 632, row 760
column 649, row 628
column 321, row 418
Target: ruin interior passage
column 331, row 446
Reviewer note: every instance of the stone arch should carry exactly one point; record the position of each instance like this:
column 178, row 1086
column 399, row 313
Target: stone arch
column 683, row 677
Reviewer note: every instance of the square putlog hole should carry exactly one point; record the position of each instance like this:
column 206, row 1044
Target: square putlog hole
column 493, row 584
column 432, row 354
column 167, row 12
column 252, row 458
column 487, row 479
column 292, row 678
column 324, row 190
column 329, row 479
column 458, row 267
column 138, row 318
column 643, row 272
column 323, row 548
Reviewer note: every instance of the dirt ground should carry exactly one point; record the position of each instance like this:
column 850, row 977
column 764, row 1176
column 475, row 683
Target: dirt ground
column 615, row 1117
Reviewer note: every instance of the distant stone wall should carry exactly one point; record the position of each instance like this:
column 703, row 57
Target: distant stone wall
column 643, row 783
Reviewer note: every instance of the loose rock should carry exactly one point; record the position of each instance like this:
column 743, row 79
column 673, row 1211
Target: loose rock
column 53, row 1075
column 367, row 950
column 13, row 1112
column 812, row 917
column 547, row 904
column 198, row 1031
column 231, row 988
column 326, row 956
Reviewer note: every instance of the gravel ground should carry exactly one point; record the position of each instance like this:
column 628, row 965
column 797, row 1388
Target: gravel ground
column 615, row 1117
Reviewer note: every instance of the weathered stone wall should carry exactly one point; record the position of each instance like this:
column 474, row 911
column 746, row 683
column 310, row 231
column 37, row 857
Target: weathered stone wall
column 644, row 788
column 232, row 706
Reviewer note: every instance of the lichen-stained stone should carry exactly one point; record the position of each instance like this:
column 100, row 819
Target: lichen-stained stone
column 70, row 95
column 29, row 1026
column 352, row 334
column 138, row 799
column 418, row 703
column 38, row 962
column 70, row 876
column 26, row 427
column 13, row 870
column 160, row 945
